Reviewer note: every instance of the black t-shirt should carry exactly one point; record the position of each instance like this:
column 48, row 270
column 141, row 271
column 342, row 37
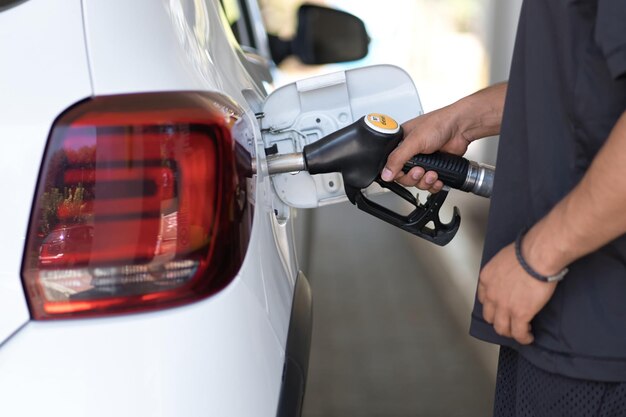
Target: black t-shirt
column 566, row 90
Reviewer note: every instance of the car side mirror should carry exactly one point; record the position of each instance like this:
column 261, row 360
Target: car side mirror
column 324, row 36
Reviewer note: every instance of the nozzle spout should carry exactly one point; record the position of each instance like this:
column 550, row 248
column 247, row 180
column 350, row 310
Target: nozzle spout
column 280, row 164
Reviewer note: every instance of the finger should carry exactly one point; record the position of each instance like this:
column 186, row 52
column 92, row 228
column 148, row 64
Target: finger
column 489, row 312
column 398, row 158
column 520, row 330
column 427, row 181
column 411, row 178
column 437, row 187
column 502, row 323
column 480, row 293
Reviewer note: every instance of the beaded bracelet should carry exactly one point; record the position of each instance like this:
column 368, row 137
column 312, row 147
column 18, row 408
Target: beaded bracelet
column 529, row 270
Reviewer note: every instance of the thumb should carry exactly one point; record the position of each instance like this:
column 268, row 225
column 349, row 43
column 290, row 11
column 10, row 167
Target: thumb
column 396, row 160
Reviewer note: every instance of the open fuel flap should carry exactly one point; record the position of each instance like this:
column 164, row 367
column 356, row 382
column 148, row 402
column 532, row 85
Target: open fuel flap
column 303, row 112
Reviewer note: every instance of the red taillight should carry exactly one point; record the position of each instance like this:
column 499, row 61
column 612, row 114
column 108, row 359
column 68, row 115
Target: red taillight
column 139, row 205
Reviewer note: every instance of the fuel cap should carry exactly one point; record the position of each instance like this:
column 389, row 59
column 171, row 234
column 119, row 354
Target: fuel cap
column 382, row 123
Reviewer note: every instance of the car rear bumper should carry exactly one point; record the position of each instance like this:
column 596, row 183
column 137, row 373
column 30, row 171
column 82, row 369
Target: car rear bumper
column 217, row 357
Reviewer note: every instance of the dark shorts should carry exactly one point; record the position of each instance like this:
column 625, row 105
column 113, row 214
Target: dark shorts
column 523, row 390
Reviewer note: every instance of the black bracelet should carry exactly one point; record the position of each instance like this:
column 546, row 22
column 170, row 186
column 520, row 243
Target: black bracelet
column 529, row 270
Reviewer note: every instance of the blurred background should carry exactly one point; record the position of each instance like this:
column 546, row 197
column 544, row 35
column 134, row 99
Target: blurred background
column 391, row 312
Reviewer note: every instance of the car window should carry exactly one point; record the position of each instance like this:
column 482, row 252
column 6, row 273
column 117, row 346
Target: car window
column 5, row 4
column 239, row 19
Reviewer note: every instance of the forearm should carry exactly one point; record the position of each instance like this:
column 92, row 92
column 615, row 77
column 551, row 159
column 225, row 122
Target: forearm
column 590, row 216
column 480, row 114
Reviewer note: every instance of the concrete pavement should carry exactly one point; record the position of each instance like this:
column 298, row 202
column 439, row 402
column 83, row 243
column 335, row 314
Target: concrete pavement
column 385, row 339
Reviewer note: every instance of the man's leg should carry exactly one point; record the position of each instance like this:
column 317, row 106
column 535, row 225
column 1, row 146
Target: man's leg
column 523, row 390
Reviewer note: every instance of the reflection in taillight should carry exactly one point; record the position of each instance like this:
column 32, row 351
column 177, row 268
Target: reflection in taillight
column 140, row 205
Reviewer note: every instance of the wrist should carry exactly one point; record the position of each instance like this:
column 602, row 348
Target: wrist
column 478, row 116
column 542, row 252
column 546, row 278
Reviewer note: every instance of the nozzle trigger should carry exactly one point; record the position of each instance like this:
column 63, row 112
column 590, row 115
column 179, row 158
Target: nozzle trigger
column 416, row 222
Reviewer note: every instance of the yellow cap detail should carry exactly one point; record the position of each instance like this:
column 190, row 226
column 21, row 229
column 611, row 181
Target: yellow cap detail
column 382, row 123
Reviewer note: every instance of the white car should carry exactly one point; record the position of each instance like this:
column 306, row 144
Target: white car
column 143, row 270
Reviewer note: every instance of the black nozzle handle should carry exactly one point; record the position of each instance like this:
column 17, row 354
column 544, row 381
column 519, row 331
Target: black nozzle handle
column 357, row 151
column 456, row 172
column 451, row 169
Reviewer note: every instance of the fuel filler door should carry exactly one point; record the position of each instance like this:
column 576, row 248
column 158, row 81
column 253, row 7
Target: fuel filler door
column 305, row 111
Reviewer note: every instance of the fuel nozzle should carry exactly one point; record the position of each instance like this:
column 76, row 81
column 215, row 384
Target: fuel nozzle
column 359, row 152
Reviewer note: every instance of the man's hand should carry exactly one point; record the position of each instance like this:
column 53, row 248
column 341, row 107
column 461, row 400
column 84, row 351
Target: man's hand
column 450, row 129
column 428, row 133
column 589, row 217
column 510, row 297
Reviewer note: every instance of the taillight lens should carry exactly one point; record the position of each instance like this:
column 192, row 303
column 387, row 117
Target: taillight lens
column 140, row 204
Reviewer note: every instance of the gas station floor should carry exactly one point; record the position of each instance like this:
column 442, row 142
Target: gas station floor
column 384, row 340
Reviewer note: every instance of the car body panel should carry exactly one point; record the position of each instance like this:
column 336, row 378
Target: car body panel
column 37, row 83
column 215, row 357
column 183, row 45
column 222, row 355
column 178, row 45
